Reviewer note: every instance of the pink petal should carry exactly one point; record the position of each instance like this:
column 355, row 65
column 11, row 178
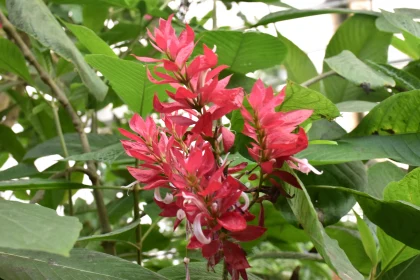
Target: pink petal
column 232, row 221
column 249, row 234
column 228, row 139
column 210, row 249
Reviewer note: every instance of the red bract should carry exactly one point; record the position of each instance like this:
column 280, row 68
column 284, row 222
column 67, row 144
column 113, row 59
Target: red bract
column 275, row 139
column 185, row 157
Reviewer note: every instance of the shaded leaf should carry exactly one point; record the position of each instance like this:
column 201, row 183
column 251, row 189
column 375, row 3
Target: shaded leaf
column 295, row 13
column 350, row 67
column 82, row 264
column 12, row 60
column 39, row 184
column 404, row 80
column 355, row 106
column 403, row 148
column 33, row 227
column 90, row 40
column 245, row 52
column 395, row 115
column 380, row 175
column 359, row 35
column 9, row 142
column 34, row 18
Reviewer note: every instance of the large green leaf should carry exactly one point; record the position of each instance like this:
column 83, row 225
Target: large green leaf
column 113, row 235
column 405, row 47
column 12, row 60
column 380, row 175
column 90, row 40
column 53, row 146
column 349, row 240
column 404, row 148
column 129, row 80
column 307, row 216
column 350, row 67
column 33, row 227
column 355, row 106
column 298, row 65
column 245, row 52
column 108, row 154
column 39, row 184
column 404, row 80
column 295, row 13
column 403, row 22
column 325, row 130
column 34, row 18
column 395, row 218
column 94, row 16
column 359, row 35
column 407, row 270
column 395, row 115
column 299, row 97
column 82, row 264
column 332, row 206
column 18, row 171
column 369, row 243
column 198, row 271
column 9, row 142
column 394, row 252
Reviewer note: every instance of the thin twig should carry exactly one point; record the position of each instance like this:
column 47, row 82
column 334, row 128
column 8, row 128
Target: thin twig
column 136, row 200
column 289, row 255
column 64, row 148
column 318, row 78
column 59, row 94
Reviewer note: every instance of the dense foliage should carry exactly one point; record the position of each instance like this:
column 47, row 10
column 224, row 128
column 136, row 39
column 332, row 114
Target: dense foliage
column 232, row 178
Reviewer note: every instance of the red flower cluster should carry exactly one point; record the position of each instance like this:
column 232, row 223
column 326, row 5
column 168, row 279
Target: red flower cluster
column 185, row 156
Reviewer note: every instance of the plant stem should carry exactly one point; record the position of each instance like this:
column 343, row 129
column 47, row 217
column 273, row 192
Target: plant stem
column 65, row 151
column 214, row 15
column 225, row 271
column 60, row 95
column 289, row 255
column 318, row 78
column 136, row 191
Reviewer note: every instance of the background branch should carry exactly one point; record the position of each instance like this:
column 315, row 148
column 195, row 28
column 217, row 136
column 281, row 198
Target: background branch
column 78, row 124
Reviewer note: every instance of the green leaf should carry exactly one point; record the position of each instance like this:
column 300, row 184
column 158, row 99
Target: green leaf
column 402, row 21
column 404, row 47
column 198, row 271
column 122, row 31
column 113, row 235
column 407, row 270
column 117, row 3
column 355, row 106
column 368, row 241
column 39, row 184
column 18, row 171
column 359, row 35
column 9, row 142
column 12, row 60
column 394, row 252
column 299, row 97
column 82, row 264
column 53, row 146
column 129, row 80
column 325, row 130
column 404, row 80
column 404, row 148
column 34, row 18
column 395, row 218
column 94, row 16
column 32, row 227
column 245, row 52
column 380, row 175
column 395, row 115
column 298, row 65
column 349, row 240
column 295, row 13
column 350, row 67
column 332, row 206
column 307, row 216
column 90, row 40
column 108, row 154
